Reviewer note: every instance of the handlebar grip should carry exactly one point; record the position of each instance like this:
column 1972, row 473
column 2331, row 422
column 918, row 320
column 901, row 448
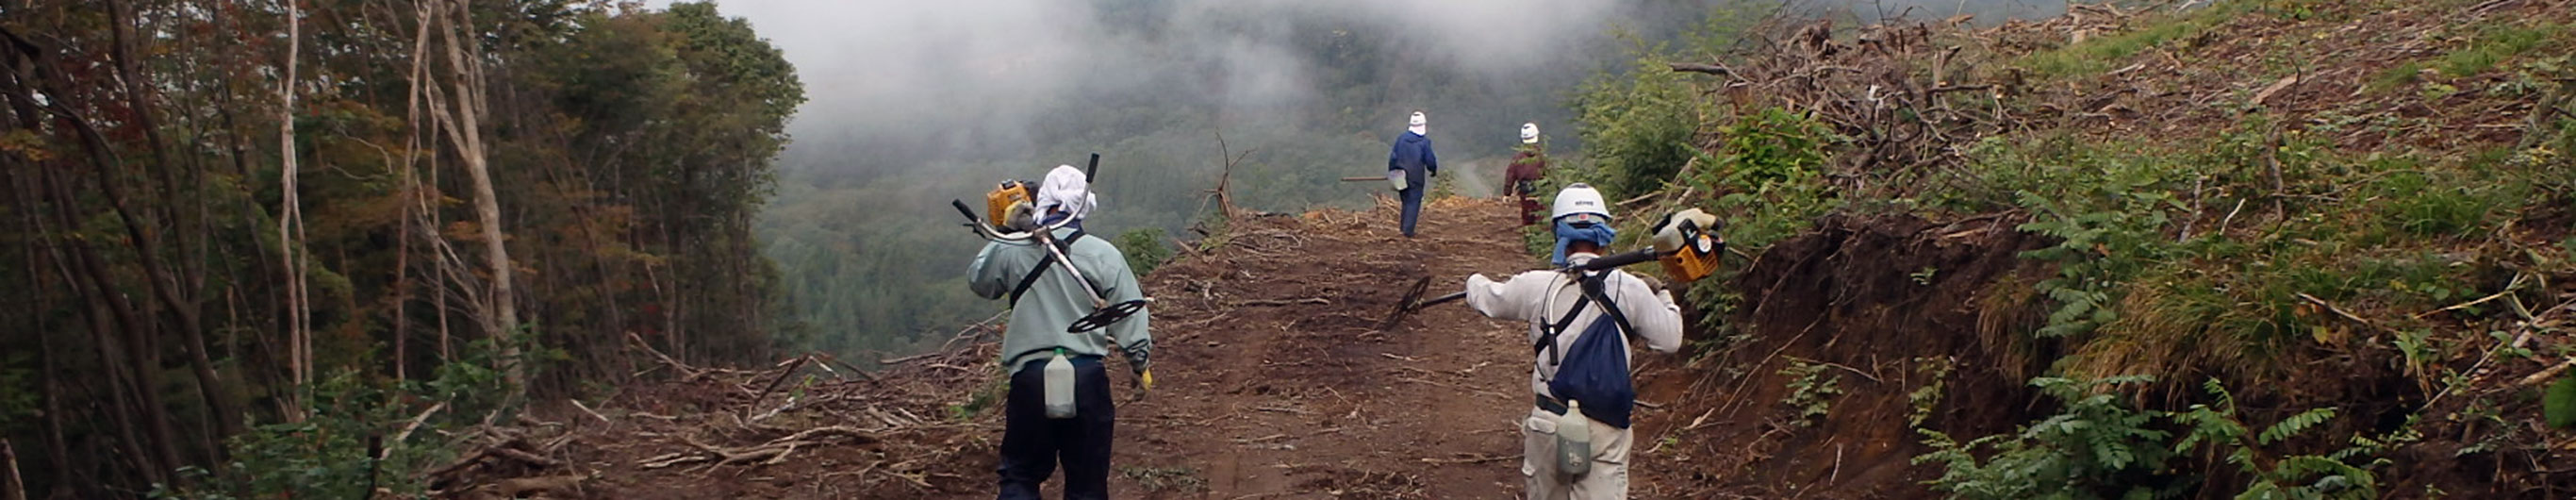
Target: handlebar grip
column 962, row 209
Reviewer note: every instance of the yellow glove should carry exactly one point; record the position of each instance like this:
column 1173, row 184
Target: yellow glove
column 1670, row 234
column 1145, row 380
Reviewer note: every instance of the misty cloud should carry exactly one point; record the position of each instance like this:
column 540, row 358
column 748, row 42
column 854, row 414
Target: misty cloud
column 974, row 74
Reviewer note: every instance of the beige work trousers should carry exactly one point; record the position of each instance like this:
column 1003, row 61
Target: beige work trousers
column 1608, row 479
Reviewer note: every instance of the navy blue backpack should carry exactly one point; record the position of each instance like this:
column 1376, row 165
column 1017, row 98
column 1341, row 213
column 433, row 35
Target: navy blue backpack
column 1593, row 371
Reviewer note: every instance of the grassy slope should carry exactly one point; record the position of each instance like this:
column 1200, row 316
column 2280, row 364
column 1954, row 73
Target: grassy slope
column 2357, row 205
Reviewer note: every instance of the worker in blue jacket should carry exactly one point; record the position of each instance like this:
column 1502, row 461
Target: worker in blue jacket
column 1410, row 165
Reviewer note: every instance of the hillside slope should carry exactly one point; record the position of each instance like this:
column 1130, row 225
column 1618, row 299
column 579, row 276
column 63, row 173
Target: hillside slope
column 2275, row 245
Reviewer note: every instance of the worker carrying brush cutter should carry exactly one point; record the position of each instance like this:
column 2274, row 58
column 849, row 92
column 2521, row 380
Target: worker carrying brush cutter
column 1576, row 440
column 1058, row 409
column 1528, row 166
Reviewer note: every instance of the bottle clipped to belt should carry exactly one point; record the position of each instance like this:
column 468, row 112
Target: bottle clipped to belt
column 1059, row 386
column 1574, row 441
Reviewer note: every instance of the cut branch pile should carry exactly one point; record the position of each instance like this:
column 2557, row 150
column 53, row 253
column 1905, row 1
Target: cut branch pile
column 911, row 424
column 1906, row 94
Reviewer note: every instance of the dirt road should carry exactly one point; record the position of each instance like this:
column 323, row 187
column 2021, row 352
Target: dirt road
column 1273, row 384
column 1273, row 381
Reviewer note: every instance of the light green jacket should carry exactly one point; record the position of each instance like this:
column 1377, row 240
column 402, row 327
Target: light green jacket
column 1038, row 322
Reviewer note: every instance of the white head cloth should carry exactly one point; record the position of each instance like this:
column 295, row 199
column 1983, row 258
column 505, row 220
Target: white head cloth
column 1067, row 189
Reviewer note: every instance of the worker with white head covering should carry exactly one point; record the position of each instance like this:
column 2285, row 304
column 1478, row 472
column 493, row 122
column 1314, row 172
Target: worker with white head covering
column 1065, row 195
column 1410, row 167
column 1576, row 439
column 1528, row 166
column 1046, row 301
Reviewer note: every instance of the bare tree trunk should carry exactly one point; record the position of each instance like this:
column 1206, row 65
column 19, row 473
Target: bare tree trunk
column 411, row 194
column 299, row 340
column 12, row 487
column 501, row 318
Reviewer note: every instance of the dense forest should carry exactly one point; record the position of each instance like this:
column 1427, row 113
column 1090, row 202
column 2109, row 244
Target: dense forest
column 252, row 233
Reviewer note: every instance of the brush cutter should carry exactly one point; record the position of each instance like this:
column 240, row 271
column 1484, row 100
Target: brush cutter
column 1104, row 313
column 1413, row 301
column 1686, row 243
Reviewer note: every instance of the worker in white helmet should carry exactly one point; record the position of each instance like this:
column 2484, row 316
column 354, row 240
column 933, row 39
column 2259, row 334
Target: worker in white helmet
column 1579, row 322
column 1529, row 165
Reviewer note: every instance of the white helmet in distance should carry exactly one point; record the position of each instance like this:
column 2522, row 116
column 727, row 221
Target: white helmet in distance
column 1529, row 133
column 1580, row 199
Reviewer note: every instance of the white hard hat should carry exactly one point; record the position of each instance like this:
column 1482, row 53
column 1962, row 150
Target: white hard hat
column 1418, row 124
column 1579, row 198
column 1529, row 133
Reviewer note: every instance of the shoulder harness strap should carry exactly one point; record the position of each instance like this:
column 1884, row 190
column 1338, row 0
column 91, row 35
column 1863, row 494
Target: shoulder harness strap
column 1592, row 287
column 1032, row 278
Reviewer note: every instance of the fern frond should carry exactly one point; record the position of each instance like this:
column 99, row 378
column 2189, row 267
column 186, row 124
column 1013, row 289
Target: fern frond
column 2295, row 424
column 2226, row 400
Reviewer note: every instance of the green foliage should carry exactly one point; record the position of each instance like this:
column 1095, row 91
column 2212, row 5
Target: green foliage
column 2097, row 54
column 2422, row 204
column 2107, row 212
column 19, row 395
column 1927, row 399
column 983, row 399
column 2098, row 448
column 2559, row 403
column 347, row 446
column 1769, row 168
column 2218, row 428
column 1144, row 248
column 2495, row 44
column 1638, row 125
column 1812, row 391
column 2095, row 447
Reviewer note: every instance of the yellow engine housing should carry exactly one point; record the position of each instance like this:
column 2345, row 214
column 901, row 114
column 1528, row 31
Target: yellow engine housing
column 997, row 203
column 1698, row 259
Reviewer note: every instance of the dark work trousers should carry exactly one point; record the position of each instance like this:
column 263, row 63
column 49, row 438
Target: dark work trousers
column 1412, row 207
column 1032, row 443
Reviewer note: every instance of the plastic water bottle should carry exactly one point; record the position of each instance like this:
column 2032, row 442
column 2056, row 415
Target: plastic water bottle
column 1574, row 441
column 1059, row 386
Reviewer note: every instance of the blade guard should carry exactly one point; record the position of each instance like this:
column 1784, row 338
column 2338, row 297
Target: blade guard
column 1107, row 316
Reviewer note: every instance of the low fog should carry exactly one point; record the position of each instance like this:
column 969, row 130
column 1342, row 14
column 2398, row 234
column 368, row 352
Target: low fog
column 912, row 104
column 918, row 82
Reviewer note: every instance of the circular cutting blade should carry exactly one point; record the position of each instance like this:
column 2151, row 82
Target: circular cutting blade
column 1404, row 304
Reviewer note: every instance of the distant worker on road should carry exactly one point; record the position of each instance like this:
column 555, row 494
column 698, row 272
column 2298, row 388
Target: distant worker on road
column 1410, row 167
column 1575, row 443
column 1045, row 303
column 1529, row 165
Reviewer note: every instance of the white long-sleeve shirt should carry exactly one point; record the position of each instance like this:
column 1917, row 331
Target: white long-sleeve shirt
column 1542, row 297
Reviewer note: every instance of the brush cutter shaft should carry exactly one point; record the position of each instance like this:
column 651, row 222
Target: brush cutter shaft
column 1104, row 313
column 1607, row 262
column 1444, row 299
column 1048, row 241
